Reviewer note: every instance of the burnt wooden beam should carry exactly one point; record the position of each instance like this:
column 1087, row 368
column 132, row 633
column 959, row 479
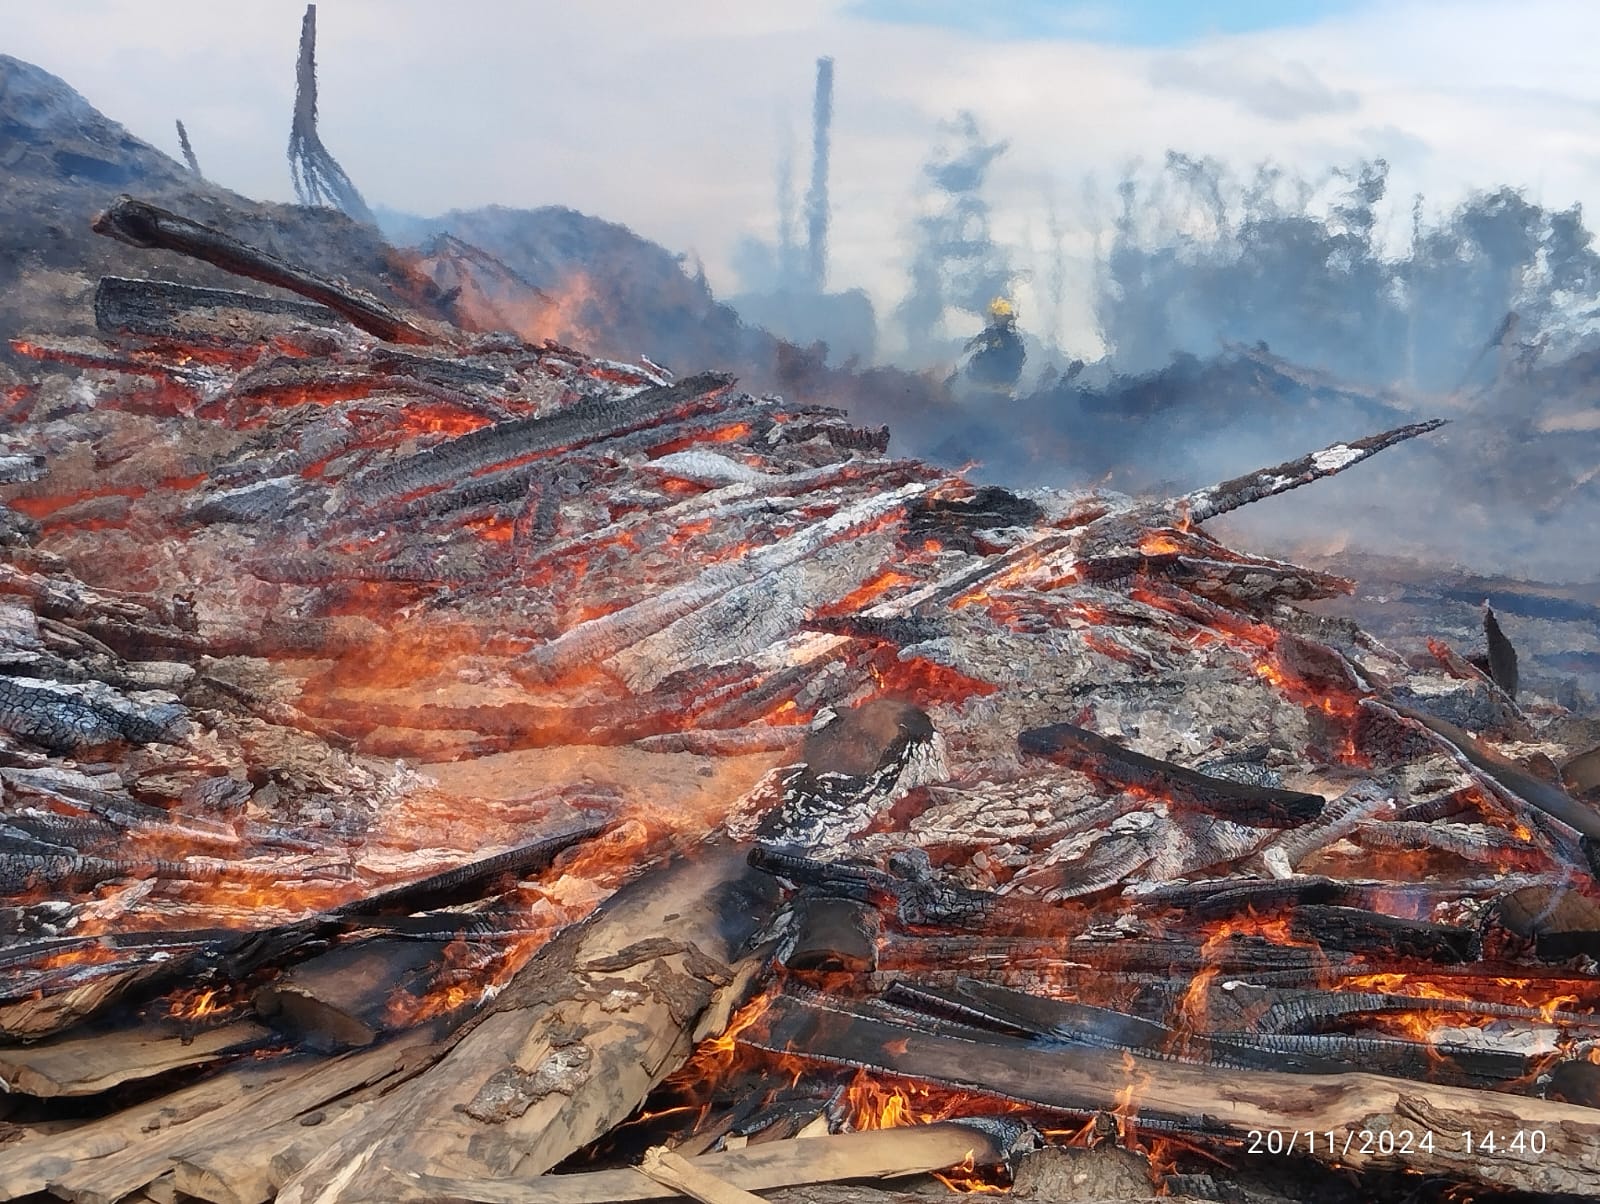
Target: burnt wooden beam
column 87, row 1065
column 1218, row 499
column 162, row 309
column 152, row 961
column 1373, row 934
column 462, row 883
column 833, row 935
column 1195, row 1099
column 140, row 224
column 68, row 715
column 1308, row 1011
column 340, row 999
column 1006, row 1011
column 1561, row 921
column 569, row 428
column 1113, row 764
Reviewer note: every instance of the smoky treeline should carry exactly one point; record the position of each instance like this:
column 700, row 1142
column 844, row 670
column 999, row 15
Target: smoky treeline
column 1200, row 256
column 1246, row 315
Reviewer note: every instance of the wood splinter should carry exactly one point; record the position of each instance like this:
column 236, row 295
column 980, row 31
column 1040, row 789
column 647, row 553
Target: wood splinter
column 669, row 1170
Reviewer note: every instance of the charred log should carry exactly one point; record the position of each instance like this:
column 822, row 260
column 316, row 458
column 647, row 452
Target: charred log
column 140, row 224
column 1110, row 762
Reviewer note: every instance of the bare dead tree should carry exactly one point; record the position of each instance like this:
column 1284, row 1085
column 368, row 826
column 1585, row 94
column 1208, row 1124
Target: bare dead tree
column 817, row 197
column 188, row 151
column 318, row 178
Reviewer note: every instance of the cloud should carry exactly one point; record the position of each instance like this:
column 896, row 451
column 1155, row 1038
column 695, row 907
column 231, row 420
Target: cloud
column 1276, row 91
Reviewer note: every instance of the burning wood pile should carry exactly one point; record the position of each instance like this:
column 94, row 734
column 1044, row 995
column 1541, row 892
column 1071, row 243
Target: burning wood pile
column 430, row 761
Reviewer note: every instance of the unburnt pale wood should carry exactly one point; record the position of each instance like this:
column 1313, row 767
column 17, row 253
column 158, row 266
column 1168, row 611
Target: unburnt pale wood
column 85, row 1065
column 573, row 1045
column 883, row 1154
column 248, row 1169
column 683, row 1176
column 103, row 1161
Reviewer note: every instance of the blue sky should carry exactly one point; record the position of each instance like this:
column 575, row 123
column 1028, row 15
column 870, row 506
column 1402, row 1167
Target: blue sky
column 1129, row 22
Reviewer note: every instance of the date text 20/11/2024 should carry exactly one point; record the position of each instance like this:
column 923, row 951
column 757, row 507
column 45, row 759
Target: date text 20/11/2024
column 1367, row 1142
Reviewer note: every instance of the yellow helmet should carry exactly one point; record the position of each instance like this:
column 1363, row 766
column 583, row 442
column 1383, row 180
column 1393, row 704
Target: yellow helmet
column 1001, row 308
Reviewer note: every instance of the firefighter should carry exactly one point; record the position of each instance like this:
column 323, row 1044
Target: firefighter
column 996, row 354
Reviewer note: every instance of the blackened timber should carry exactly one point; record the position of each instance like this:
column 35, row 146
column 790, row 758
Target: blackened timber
column 1512, row 778
column 584, row 422
column 1356, row 930
column 162, row 309
column 1001, row 1009
column 1561, row 921
column 833, row 935
column 232, row 955
column 340, row 999
column 66, row 716
column 1213, row 900
column 1308, row 1011
column 1502, row 654
column 1109, row 762
column 140, row 224
column 449, row 373
column 913, row 901
column 468, row 881
column 1218, row 499
column 40, row 868
column 1425, row 1061
column 1194, row 1098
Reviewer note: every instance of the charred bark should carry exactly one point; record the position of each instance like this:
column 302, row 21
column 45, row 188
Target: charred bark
column 140, row 224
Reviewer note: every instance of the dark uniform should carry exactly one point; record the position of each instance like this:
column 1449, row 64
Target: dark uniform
column 996, row 354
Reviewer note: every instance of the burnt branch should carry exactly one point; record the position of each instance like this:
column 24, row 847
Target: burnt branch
column 140, row 224
column 318, row 178
column 188, row 151
column 1218, row 499
column 1109, row 762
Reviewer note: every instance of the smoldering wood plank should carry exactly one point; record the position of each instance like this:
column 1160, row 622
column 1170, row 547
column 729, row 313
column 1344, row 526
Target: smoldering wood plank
column 235, row 954
column 1561, row 922
column 31, row 1018
column 882, row 1154
column 574, row 1043
column 1100, row 758
column 101, row 1162
column 572, row 427
column 1203, row 1102
column 165, row 309
column 85, row 1065
column 1510, row 779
